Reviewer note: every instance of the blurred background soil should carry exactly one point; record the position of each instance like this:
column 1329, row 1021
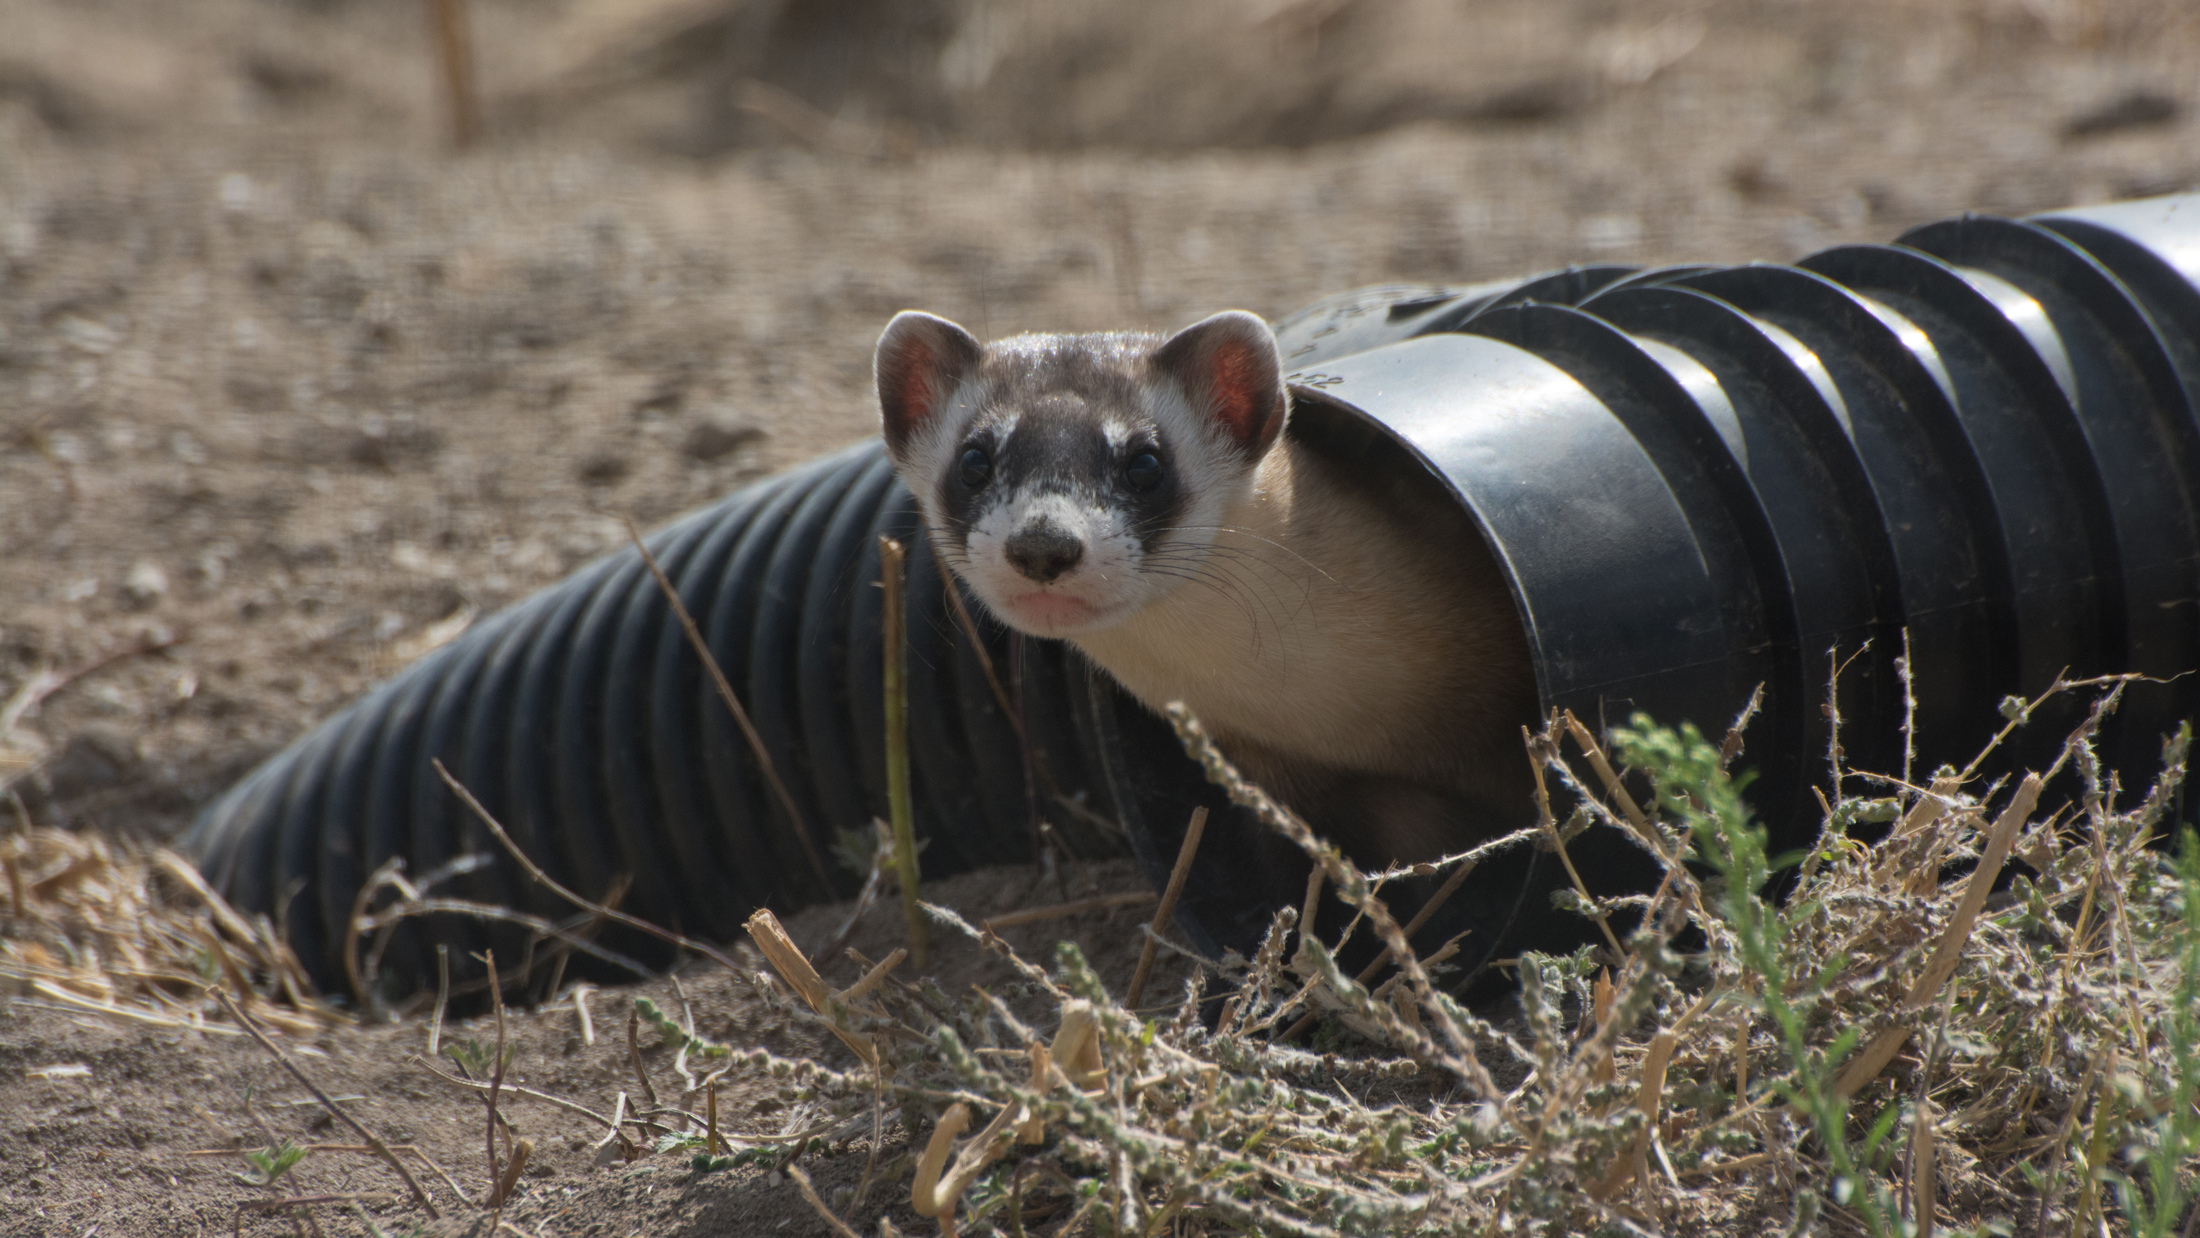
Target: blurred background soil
column 292, row 387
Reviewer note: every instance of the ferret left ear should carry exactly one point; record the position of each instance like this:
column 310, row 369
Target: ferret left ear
column 1231, row 370
column 921, row 360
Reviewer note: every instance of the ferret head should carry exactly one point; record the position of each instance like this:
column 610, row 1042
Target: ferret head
column 1072, row 479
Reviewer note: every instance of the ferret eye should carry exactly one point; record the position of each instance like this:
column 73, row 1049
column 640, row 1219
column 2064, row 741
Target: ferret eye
column 976, row 468
column 1143, row 472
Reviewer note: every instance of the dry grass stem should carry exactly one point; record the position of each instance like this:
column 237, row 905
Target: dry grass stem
column 1075, row 907
column 953, row 592
column 454, row 50
column 902, row 812
column 1456, row 1053
column 581, row 1014
column 875, row 977
column 534, row 871
column 1185, row 851
column 335, row 1110
column 733, row 706
column 1867, row 1065
column 497, row 1061
column 809, row 1194
column 521, row 1149
column 442, row 999
column 1612, row 784
column 1558, row 841
column 634, row 1055
column 795, row 968
column 516, row 1089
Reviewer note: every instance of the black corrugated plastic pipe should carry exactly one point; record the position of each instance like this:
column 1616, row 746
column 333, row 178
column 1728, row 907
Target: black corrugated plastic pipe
column 1698, row 479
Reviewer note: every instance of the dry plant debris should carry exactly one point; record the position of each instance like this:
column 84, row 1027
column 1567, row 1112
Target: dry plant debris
column 1897, row 1048
column 132, row 932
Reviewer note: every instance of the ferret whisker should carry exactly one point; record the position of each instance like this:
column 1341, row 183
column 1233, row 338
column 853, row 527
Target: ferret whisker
column 1243, row 532
column 1244, row 567
column 1253, row 583
column 1259, row 604
column 1246, row 606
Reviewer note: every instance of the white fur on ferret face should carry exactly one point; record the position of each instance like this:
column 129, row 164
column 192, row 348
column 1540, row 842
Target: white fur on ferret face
column 1059, row 418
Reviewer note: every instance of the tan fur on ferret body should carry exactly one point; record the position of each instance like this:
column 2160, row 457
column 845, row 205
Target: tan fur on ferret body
column 1361, row 641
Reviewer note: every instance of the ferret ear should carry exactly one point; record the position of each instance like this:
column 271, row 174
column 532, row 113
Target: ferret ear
column 921, row 359
column 1231, row 370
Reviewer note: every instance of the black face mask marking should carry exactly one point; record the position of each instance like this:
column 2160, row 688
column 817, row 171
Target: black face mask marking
column 1057, row 448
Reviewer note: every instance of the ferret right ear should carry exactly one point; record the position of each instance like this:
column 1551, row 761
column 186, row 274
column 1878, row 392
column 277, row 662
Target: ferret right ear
column 921, row 359
column 1230, row 368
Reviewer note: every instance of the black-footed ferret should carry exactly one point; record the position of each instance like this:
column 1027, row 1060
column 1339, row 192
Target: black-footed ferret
column 1138, row 496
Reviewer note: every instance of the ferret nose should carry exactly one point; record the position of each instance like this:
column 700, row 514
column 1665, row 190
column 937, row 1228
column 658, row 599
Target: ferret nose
column 1044, row 550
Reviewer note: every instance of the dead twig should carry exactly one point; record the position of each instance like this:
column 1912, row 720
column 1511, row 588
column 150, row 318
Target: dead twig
column 1540, row 753
column 496, row 1080
column 442, row 997
column 1731, row 746
column 580, row 997
column 375, row 1141
column 534, row 870
column 544, row 930
column 44, row 684
column 1867, row 1064
column 1167, row 910
column 977, row 644
column 455, row 56
column 900, row 810
column 521, row 1150
column 375, row 1198
column 1038, row 777
column 733, row 706
column 802, row 1183
column 1075, row 907
column 801, row 975
column 1374, row 968
column 517, row 1089
column 634, row 1054
column 874, row 883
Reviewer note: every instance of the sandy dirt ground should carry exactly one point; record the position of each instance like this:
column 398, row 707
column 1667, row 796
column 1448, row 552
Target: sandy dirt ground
column 290, row 389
